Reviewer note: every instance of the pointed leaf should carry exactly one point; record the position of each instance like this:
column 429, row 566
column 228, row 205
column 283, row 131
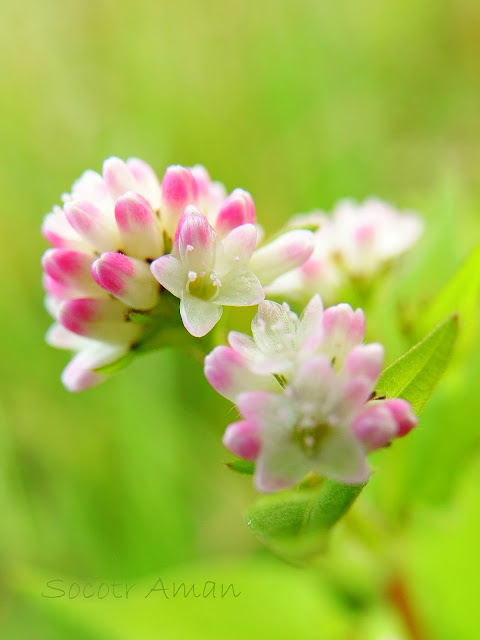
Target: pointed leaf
column 415, row 375
column 460, row 295
column 117, row 365
column 241, row 466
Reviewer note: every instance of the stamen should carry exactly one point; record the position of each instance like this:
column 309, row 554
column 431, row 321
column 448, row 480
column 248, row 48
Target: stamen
column 189, row 248
column 192, row 276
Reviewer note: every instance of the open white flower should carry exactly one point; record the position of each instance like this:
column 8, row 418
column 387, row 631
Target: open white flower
column 304, row 390
column 207, row 272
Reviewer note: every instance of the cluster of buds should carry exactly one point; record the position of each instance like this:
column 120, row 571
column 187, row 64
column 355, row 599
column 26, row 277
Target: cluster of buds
column 353, row 245
column 305, row 389
column 122, row 237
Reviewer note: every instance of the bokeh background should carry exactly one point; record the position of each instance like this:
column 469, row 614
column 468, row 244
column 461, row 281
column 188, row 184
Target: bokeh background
column 300, row 102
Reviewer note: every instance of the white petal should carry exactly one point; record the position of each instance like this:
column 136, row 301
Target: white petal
column 243, row 344
column 240, row 290
column 311, row 328
column 170, row 273
column 228, row 372
column 199, row 316
column 274, row 412
column 281, row 464
column 272, row 323
column 316, row 384
column 238, row 245
column 61, row 338
column 342, row 458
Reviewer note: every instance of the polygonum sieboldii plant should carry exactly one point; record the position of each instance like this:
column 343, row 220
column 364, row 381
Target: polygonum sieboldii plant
column 138, row 263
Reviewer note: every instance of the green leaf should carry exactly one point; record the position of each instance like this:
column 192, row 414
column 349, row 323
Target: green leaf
column 294, row 523
column 117, row 365
column 460, row 295
column 415, row 375
column 241, row 466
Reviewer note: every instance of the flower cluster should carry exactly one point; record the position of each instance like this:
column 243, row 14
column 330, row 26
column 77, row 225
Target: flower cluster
column 354, row 244
column 122, row 237
column 305, row 389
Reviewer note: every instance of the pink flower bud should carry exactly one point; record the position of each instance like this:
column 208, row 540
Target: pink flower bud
column 98, row 319
column 242, row 439
column 71, row 270
column 146, row 181
column 403, row 415
column 137, row 223
column 128, row 279
column 117, row 176
column 80, row 372
column 179, row 189
column 60, row 233
column 92, row 225
column 286, row 252
column 375, row 427
column 236, row 210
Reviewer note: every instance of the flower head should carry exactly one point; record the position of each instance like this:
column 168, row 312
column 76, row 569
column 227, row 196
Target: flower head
column 114, row 225
column 355, row 243
column 304, row 389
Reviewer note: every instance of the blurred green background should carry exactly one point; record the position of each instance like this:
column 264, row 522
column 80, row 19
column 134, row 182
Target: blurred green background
column 301, row 103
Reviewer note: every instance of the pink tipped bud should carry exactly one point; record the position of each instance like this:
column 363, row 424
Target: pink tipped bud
column 375, row 426
column 203, row 182
column 237, row 209
column 92, row 225
column 59, row 232
column 364, row 361
column 70, row 270
column 403, row 415
column 136, row 221
column 128, row 279
column 343, row 324
column 80, row 372
column 99, row 319
column 117, row 176
column 146, row 181
column 286, row 252
column 242, row 439
column 179, row 189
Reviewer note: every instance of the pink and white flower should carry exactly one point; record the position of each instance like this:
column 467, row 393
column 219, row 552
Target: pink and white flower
column 206, row 271
column 355, row 243
column 280, row 340
column 304, row 389
column 368, row 236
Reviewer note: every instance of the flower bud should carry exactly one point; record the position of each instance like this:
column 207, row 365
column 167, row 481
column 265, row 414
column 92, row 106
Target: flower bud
column 179, row 189
column 236, row 210
column 128, row 279
column 136, row 221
